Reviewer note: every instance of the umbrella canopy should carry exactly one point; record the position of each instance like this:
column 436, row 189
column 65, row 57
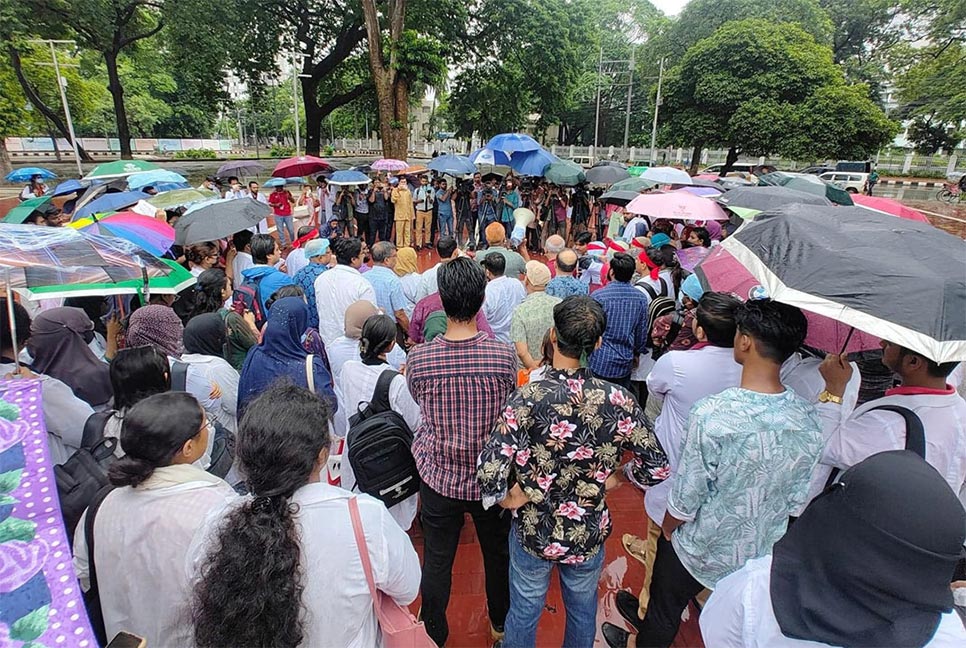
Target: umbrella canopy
column 667, row 175
column 677, row 205
column 808, row 183
column 171, row 284
column 486, row 177
column 340, row 178
column 513, row 143
column 489, row 156
column 690, row 257
column 730, row 182
column 636, row 171
column 887, row 206
column 705, row 192
column 152, row 234
column 24, row 174
column 271, row 183
column 414, row 169
column 606, row 173
column 302, row 165
column 389, row 164
column 110, row 202
column 68, row 187
column 900, row 280
column 120, row 169
column 721, row 272
column 180, row 198
column 763, row 198
column 23, row 211
column 619, row 197
column 633, row 184
column 240, row 168
column 362, row 168
column 565, row 173
column 454, row 165
column 159, row 176
column 532, row 163
column 219, row 218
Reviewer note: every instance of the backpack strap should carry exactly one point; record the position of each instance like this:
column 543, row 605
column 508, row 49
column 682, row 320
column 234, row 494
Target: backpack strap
column 310, row 372
column 380, row 396
column 94, row 428
column 648, row 288
column 92, row 593
column 179, row 376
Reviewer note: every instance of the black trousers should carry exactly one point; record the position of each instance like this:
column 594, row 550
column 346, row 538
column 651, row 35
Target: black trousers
column 442, row 520
column 467, row 221
column 380, row 229
column 672, row 587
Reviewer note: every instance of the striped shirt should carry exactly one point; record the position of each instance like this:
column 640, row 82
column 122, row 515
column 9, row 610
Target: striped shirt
column 626, row 332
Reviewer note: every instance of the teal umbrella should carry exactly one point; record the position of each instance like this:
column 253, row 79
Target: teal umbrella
column 565, row 173
column 120, row 169
column 22, row 212
column 808, row 183
column 633, row 184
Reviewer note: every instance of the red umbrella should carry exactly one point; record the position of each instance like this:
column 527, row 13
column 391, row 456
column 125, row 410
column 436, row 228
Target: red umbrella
column 302, row 165
column 887, row 206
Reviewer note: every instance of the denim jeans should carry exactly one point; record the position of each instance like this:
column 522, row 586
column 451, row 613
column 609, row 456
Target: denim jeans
column 529, row 581
column 285, row 225
column 445, row 225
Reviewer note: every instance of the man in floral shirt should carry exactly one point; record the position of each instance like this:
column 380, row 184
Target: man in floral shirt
column 558, row 441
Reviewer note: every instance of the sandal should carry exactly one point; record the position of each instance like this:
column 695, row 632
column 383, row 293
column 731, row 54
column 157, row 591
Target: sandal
column 635, row 546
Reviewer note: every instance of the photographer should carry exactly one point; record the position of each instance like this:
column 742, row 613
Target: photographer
column 509, row 200
column 557, row 222
column 580, row 215
column 379, row 200
column 487, row 212
column 467, row 208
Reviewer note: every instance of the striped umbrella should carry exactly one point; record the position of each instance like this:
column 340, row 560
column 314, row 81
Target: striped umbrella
column 152, row 234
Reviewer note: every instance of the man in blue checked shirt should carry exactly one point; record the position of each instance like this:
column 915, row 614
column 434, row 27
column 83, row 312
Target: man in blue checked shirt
column 625, row 337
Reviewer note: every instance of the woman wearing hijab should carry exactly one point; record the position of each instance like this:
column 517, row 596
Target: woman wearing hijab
column 58, row 344
column 346, row 347
column 205, row 345
column 280, row 355
column 212, row 292
column 409, row 276
column 868, row 563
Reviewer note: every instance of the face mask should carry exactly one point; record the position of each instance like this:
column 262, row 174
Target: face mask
column 204, row 461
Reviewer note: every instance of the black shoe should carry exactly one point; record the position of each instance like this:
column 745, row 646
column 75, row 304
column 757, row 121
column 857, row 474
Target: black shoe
column 628, row 605
column 614, row 636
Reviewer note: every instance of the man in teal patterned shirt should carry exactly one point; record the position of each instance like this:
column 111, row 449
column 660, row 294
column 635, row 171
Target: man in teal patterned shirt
column 746, row 461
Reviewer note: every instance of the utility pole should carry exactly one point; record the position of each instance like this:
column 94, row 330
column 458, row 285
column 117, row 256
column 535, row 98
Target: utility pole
column 630, row 87
column 296, row 75
column 61, row 85
column 657, row 107
column 600, row 72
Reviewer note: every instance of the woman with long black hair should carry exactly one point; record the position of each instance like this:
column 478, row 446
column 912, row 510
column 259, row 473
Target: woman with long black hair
column 144, row 527
column 282, row 568
column 212, row 292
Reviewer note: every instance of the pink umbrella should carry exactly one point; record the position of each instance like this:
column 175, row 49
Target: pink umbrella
column 302, row 165
column 721, row 272
column 389, row 164
column 676, row 205
column 887, row 206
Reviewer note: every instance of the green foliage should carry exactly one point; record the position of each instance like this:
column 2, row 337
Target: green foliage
column 420, row 58
column 928, row 137
column 195, row 154
column 489, row 100
column 281, row 151
column 328, row 150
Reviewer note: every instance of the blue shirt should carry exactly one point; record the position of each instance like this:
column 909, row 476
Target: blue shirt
column 514, row 199
column 306, row 279
column 566, row 286
column 746, row 462
column 445, row 206
column 626, row 332
column 388, row 289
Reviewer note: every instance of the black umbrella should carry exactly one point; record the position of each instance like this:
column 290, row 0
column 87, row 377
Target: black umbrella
column 619, row 197
column 764, row 198
column 492, row 176
column 240, row 167
column 900, row 280
column 606, row 174
column 217, row 219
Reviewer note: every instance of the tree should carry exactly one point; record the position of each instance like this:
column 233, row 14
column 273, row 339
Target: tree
column 928, row 136
column 488, row 100
column 758, row 87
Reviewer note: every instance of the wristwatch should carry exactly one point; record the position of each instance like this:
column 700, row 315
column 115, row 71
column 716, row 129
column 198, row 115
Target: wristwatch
column 828, row 397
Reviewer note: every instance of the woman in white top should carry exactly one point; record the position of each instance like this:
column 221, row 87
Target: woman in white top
column 282, row 567
column 346, row 347
column 408, row 272
column 356, row 388
column 205, row 345
column 143, row 528
column 868, row 563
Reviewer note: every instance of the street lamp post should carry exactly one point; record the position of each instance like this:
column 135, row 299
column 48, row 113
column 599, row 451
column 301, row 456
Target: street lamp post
column 657, row 107
column 61, row 85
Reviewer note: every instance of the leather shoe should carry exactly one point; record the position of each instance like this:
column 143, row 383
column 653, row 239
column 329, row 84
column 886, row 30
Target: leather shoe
column 628, row 605
column 614, row 636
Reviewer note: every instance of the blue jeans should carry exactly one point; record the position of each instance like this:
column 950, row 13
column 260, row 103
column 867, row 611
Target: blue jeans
column 529, row 581
column 445, row 225
column 285, row 224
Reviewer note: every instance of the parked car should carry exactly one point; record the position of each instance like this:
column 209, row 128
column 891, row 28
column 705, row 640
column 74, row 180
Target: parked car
column 738, row 167
column 851, row 182
column 816, row 170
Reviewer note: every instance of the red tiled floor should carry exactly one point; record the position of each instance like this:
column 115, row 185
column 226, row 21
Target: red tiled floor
column 469, row 625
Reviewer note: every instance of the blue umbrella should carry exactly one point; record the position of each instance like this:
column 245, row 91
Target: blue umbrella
column 455, row 165
column 110, row 202
column 349, row 178
column 25, row 173
column 489, row 156
column 513, row 143
column 278, row 182
column 532, row 163
column 158, row 176
column 69, row 187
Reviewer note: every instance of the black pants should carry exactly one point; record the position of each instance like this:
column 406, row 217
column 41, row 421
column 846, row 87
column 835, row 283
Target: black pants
column 432, row 226
column 380, row 229
column 442, row 520
column 672, row 587
column 624, row 382
column 468, row 221
column 533, row 239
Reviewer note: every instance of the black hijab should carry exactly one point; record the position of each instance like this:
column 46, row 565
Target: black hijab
column 59, row 346
column 870, row 560
column 206, row 335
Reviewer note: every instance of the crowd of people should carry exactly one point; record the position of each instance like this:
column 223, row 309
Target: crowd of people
column 517, row 382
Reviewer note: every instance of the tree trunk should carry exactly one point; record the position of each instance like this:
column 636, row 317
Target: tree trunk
column 5, row 165
column 392, row 89
column 729, row 161
column 313, row 116
column 696, row 157
column 120, row 112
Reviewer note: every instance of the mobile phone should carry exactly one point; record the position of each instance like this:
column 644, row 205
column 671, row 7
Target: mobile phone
column 127, row 640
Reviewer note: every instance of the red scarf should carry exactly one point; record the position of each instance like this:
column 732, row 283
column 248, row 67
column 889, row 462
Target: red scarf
column 646, row 260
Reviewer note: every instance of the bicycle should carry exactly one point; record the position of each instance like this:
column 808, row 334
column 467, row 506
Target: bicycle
column 950, row 193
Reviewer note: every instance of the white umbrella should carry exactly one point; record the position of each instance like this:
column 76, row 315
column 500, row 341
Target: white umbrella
column 667, row 176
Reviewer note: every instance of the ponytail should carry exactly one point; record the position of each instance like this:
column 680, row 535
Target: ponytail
column 378, row 334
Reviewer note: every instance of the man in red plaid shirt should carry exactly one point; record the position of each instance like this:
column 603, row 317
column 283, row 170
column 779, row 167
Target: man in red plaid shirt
column 461, row 380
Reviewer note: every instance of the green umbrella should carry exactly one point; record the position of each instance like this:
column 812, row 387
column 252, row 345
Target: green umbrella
column 743, row 212
column 181, row 198
column 120, row 169
column 22, row 212
column 633, row 184
column 565, row 173
column 172, row 284
column 636, row 170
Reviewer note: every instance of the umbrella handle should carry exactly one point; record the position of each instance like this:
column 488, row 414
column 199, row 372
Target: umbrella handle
column 848, row 339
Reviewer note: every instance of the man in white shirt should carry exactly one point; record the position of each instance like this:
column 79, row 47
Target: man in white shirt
column 424, row 197
column 340, row 287
column 234, row 190
column 209, row 185
column 257, row 196
column 325, row 197
column 242, row 258
column 635, row 226
column 503, row 295
column 447, row 249
column 296, row 260
column 924, row 390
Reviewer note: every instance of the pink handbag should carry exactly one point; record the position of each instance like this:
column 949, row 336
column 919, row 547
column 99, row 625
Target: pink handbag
column 400, row 629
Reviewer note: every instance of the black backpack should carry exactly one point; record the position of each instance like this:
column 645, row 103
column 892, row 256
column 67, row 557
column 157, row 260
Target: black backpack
column 380, row 448
column 84, row 474
column 660, row 304
column 248, row 294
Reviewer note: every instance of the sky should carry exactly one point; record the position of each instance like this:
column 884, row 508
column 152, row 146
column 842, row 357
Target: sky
column 670, row 7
